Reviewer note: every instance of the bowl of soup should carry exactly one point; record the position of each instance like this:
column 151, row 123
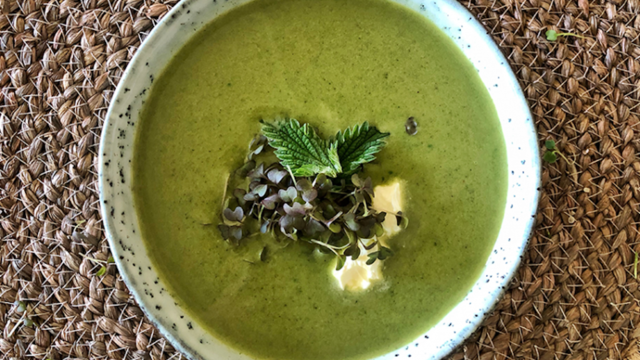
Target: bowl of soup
column 456, row 169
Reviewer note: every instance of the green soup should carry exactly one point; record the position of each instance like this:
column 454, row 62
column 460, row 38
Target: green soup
column 332, row 63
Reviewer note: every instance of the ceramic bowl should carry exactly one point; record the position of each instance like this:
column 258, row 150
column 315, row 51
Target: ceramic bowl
column 123, row 229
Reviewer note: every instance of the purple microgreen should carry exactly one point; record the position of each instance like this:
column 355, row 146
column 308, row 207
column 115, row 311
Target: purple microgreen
column 270, row 202
column 378, row 230
column 276, row 176
column 350, row 221
column 288, row 195
column 264, row 227
column 355, row 179
column 372, row 257
column 404, row 223
column 334, row 218
column 246, row 168
column 320, row 178
column 251, row 225
column 286, row 223
column 364, row 232
column 233, row 215
column 256, row 173
column 317, row 214
column 258, row 150
column 329, row 211
column 239, row 195
column 304, row 184
column 402, row 220
column 295, row 210
column 254, row 184
column 355, row 254
column 335, row 228
column 314, row 228
column 353, row 245
column 368, row 186
column 256, row 142
column 291, row 222
column 310, row 195
column 366, row 226
column 323, row 184
column 370, row 245
column 260, row 190
column 289, row 231
column 236, row 232
column 224, row 231
column 384, row 253
column 332, row 247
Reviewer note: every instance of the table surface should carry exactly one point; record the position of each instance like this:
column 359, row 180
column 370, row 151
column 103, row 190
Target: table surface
column 575, row 296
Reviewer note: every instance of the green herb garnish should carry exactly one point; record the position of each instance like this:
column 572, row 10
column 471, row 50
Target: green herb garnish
column 382, row 254
column 20, row 306
column 552, row 35
column 550, row 155
column 301, row 150
column 102, row 271
column 312, row 194
column 358, row 146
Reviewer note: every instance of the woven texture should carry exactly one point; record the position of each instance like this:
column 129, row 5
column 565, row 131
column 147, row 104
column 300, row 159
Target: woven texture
column 575, row 297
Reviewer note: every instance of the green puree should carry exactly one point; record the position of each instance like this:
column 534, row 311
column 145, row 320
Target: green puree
column 332, row 63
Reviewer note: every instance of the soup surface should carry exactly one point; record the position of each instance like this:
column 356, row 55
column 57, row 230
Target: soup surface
column 332, row 63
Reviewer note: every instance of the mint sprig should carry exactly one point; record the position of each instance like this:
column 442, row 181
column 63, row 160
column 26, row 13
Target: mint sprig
column 302, row 151
column 358, row 146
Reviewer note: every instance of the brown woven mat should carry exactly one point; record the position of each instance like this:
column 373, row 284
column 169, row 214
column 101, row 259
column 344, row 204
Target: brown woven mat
column 575, row 296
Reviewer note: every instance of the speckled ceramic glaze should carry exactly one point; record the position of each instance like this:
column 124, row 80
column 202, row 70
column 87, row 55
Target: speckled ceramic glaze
column 123, row 230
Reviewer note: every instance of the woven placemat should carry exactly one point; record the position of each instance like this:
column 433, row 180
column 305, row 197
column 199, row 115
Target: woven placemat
column 575, row 297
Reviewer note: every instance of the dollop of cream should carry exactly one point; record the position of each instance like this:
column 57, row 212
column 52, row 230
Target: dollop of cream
column 356, row 275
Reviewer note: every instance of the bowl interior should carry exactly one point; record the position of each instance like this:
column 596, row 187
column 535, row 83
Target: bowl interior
column 121, row 222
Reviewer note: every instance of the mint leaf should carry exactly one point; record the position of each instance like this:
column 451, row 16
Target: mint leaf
column 299, row 148
column 358, row 146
